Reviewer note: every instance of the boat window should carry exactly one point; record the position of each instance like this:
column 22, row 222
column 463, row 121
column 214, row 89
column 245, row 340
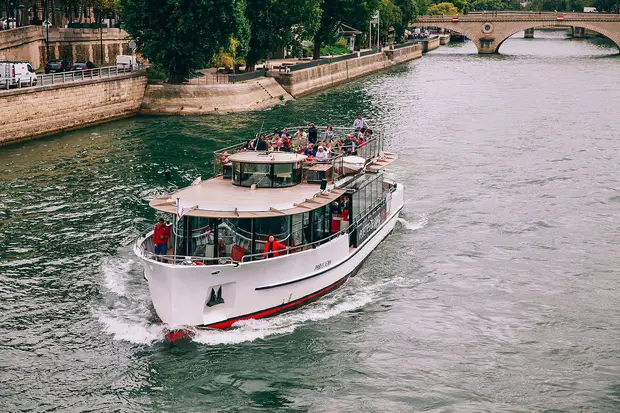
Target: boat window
column 255, row 173
column 355, row 206
column 202, row 237
column 266, row 175
column 317, row 224
column 237, row 173
column 297, row 230
column 362, row 197
column 283, row 174
column 280, row 227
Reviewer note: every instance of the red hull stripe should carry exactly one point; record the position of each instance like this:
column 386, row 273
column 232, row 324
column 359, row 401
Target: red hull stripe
column 279, row 309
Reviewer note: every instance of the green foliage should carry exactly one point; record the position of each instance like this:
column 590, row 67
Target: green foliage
column 332, row 50
column 444, row 8
column 279, row 23
column 409, row 10
column 355, row 13
column 181, row 35
column 389, row 16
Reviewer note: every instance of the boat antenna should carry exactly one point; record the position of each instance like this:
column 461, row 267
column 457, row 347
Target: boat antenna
column 260, row 133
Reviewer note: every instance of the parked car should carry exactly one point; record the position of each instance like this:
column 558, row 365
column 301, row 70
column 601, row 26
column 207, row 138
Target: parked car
column 83, row 65
column 16, row 73
column 57, row 65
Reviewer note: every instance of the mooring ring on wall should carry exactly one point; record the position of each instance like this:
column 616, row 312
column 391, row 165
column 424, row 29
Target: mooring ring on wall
column 487, row 28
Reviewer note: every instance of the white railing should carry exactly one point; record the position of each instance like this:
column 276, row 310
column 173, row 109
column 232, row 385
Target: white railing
column 68, row 77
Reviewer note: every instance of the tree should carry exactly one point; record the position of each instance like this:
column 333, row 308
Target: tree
column 442, row 8
column 182, row 35
column 390, row 16
column 409, row 10
column 279, row 23
column 355, row 13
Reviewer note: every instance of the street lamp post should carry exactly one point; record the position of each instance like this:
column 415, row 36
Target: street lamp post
column 100, row 33
column 46, row 22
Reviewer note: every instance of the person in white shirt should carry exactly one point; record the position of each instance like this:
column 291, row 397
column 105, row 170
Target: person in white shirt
column 321, row 155
column 360, row 124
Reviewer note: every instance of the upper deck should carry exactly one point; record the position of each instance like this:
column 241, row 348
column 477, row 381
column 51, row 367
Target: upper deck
column 263, row 184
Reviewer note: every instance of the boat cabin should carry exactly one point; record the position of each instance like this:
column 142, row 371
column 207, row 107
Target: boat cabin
column 254, row 194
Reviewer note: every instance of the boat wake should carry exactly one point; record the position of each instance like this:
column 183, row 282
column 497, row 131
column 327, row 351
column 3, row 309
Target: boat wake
column 413, row 226
column 126, row 313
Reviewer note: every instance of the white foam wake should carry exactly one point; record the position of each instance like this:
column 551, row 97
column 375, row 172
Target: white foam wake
column 251, row 330
column 413, row 226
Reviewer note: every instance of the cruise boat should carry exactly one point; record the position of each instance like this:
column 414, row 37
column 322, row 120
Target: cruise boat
column 326, row 219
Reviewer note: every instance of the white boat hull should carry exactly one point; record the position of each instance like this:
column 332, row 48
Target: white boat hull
column 261, row 288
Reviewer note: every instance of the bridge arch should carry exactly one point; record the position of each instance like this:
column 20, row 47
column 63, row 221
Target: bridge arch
column 488, row 31
column 614, row 37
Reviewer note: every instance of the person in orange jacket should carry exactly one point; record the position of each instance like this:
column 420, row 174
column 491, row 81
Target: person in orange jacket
column 272, row 247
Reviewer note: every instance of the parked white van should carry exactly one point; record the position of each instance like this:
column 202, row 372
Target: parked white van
column 126, row 62
column 16, row 74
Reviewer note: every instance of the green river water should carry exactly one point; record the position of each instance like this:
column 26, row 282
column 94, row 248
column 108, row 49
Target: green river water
column 497, row 291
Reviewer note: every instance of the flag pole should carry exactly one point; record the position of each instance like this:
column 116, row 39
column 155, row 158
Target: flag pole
column 176, row 228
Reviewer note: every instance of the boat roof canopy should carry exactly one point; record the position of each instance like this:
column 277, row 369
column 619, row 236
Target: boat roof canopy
column 263, row 157
column 217, row 198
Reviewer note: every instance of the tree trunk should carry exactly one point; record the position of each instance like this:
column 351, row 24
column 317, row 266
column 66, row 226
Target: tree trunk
column 317, row 47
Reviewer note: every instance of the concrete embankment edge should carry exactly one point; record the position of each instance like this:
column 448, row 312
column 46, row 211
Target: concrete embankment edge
column 34, row 112
column 213, row 99
column 303, row 82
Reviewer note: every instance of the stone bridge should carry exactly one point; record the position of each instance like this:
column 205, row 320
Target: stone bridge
column 489, row 30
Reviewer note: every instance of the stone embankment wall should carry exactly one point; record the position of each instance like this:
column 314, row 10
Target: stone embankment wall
column 306, row 81
column 21, row 44
column 217, row 98
column 33, row 112
column 430, row 44
column 29, row 44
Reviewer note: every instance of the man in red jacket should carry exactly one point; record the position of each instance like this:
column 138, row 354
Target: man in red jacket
column 160, row 238
column 272, row 247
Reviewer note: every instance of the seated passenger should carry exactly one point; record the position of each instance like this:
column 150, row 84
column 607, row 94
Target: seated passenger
column 310, row 151
column 321, row 155
column 273, row 247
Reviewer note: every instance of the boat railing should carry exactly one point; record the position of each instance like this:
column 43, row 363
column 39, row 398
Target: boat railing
column 289, row 250
column 203, row 260
column 370, row 149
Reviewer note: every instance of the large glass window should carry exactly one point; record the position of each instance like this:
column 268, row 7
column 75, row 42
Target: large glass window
column 318, row 224
column 267, row 175
column 236, row 173
column 256, row 173
column 202, row 237
column 283, row 174
column 356, row 206
column 278, row 226
column 297, row 234
column 362, row 196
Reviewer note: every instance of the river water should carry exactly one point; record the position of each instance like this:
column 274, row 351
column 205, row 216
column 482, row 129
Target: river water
column 498, row 290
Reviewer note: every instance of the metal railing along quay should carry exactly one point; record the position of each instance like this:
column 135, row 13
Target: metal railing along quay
column 69, row 77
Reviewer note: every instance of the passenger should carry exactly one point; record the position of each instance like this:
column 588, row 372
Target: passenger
column 161, row 234
column 328, row 135
column 360, row 124
column 349, row 145
column 273, row 247
column 328, row 148
column 312, row 134
column 338, row 146
column 284, row 133
column 321, row 155
column 310, row 152
column 286, row 144
column 300, row 135
column 261, row 144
